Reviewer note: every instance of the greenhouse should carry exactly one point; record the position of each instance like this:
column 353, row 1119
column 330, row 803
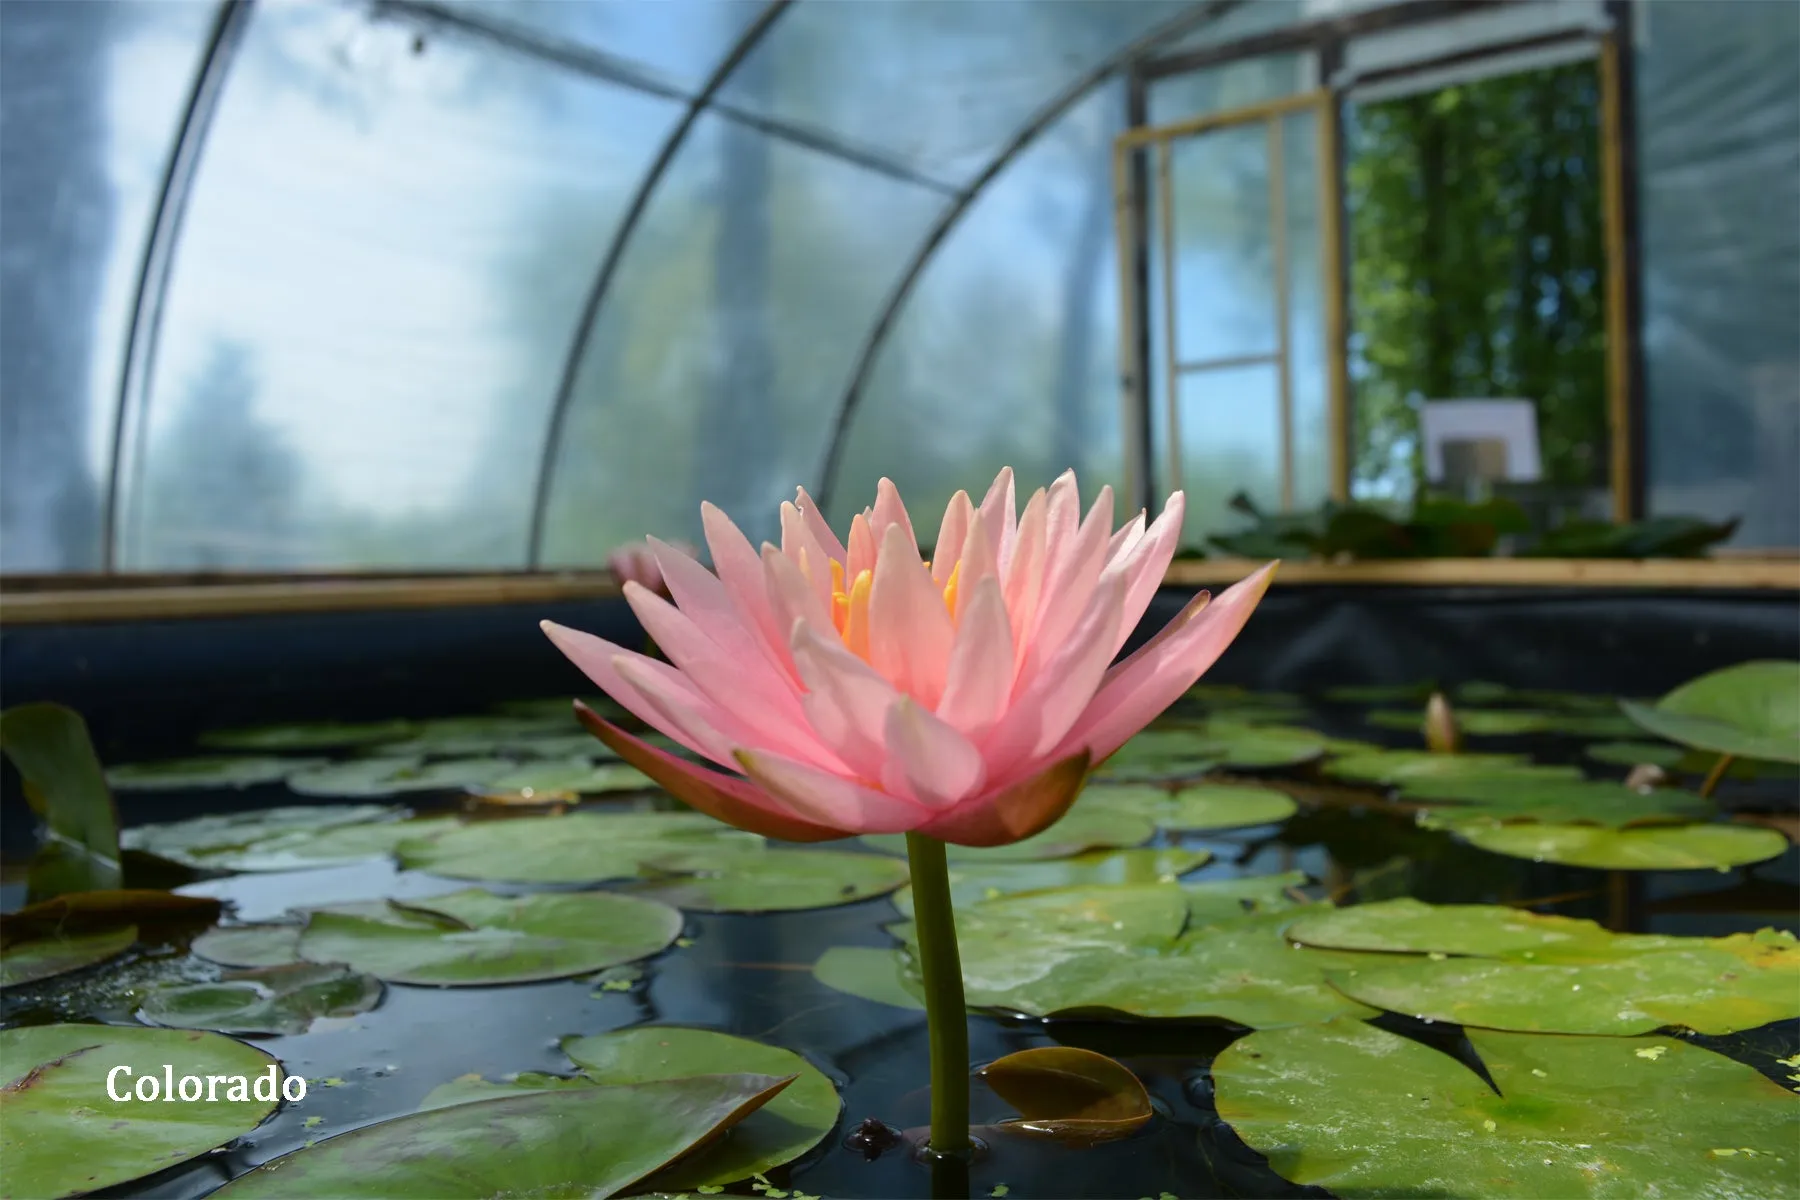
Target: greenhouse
column 899, row 598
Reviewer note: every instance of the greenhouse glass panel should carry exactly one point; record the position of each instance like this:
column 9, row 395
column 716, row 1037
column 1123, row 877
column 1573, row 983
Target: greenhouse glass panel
column 378, row 281
column 1719, row 132
column 1229, row 425
column 91, row 96
column 1007, row 351
column 1248, row 20
column 680, row 41
column 717, row 362
column 940, row 86
column 1224, row 275
column 1213, row 90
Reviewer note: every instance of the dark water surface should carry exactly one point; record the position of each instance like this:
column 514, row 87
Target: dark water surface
column 750, row 975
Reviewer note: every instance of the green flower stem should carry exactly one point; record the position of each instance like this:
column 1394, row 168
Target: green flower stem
column 946, row 1015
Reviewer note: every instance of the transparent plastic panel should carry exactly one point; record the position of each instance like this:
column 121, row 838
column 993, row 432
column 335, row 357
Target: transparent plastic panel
column 680, row 41
column 377, row 285
column 1229, row 426
column 91, row 97
column 1007, row 351
column 939, row 85
column 1242, row 84
column 1248, row 20
column 717, row 363
column 1308, row 361
column 1719, row 194
column 1224, row 270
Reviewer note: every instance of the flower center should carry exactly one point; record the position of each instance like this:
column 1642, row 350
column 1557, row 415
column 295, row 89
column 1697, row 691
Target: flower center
column 850, row 606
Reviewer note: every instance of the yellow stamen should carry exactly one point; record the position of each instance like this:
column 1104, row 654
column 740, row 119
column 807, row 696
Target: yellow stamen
column 856, row 616
column 837, row 578
column 950, row 589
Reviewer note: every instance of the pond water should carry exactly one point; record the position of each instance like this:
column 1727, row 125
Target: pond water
column 751, row 975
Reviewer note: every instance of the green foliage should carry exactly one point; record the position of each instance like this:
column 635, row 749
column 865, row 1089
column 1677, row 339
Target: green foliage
column 66, row 785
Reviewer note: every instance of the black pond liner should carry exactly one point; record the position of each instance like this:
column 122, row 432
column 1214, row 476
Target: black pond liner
column 149, row 689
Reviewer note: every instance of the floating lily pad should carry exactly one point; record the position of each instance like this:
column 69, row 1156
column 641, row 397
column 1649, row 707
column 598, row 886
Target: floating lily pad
column 1474, row 722
column 1645, row 848
column 250, row 945
column 307, row 849
column 1217, row 900
column 760, row 880
column 1071, row 1095
column 1566, row 801
column 873, row 973
column 1752, row 710
column 579, row 775
column 973, row 882
column 786, row 1127
column 206, row 771
column 574, row 848
column 310, row 735
column 577, row 1141
column 1261, row 747
column 266, row 1000
column 561, row 745
column 393, row 776
column 44, row 957
column 1080, row 830
column 1480, row 692
column 1409, row 926
column 63, row 1135
column 191, row 842
column 1197, row 807
column 1400, row 766
column 1572, row 1116
column 63, row 782
column 474, row 937
column 1714, row 986
column 1632, row 754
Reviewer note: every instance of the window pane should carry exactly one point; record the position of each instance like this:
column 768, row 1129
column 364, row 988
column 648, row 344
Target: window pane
column 1007, row 351
column 680, row 41
column 1224, row 284
column 717, row 363
column 377, row 283
column 90, row 99
column 1230, row 442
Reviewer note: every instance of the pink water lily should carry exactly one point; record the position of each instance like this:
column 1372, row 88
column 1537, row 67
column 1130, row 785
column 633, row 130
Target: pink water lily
column 851, row 688
column 636, row 562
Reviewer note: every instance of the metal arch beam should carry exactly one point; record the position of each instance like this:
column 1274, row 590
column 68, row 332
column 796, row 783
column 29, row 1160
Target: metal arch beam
column 609, row 266
column 1200, row 14
column 157, row 264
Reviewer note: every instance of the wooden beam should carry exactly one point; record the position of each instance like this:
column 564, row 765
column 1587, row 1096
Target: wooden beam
column 1679, row 574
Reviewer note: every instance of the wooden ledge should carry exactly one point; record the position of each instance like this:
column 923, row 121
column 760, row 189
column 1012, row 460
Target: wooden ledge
column 1775, row 574
column 125, row 599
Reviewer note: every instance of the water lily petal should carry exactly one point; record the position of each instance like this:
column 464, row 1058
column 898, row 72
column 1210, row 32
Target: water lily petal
column 928, row 759
column 847, row 700
column 999, row 512
column 977, row 564
column 598, row 659
column 827, row 799
column 792, row 596
column 1016, row 811
column 861, row 555
column 727, row 798
column 1142, row 686
column 890, row 513
column 802, row 549
column 815, row 521
column 910, row 631
column 1024, row 575
column 1042, row 714
column 978, row 682
column 741, row 573
column 1145, row 563
column 959, row 514
column 1069, row 581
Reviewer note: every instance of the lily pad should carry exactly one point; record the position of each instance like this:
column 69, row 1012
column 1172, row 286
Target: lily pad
column 250, row 945
column 266, row 1000
column 760, row 880
column 1400, row 766
column 393, row 776
column 63, row 1135
column 206, row 771
column 63, row 782
column 1071, row 1095
column 1081, row 830
column 1216, row 900
column 1751, row 710
column 1632, row 754
column 972, row 882
column 576, row 1141
column 579, row 775
column 1194, row 808
column 1380, row 693
column 1567, row 801
column 1713, row 986
column 1161, row 754
column 474, row 938
column 1409, row 926
column 573, row 848
column 788, row 1126
column 561, row 745
column 1571, row 1116
column 1644, row 848
column 191, row 842
column 873, row 973
column 306, row 849
column 45, row 957
column 309, row 735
